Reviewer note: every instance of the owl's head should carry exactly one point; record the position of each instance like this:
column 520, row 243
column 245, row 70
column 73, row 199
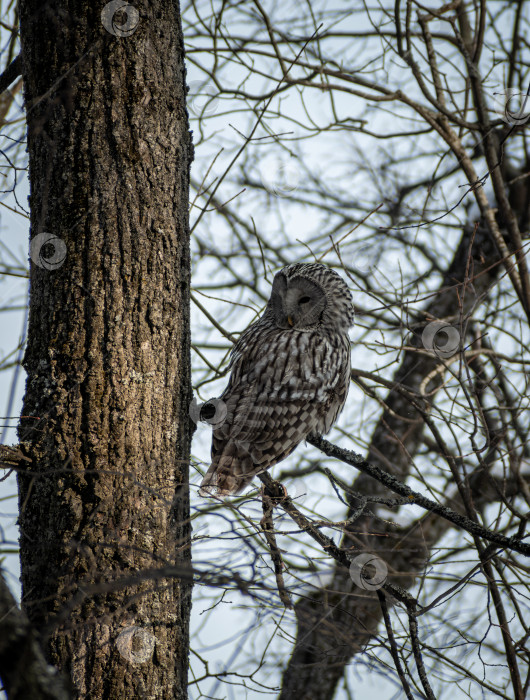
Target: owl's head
column 306, row 295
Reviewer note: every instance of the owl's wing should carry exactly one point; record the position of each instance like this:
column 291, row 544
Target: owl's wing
column 273, row 402
column 337, row 391
column 261, row 428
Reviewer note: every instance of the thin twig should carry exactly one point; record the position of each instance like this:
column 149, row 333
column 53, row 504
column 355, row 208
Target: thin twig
column 267, row 526
column 393, row 646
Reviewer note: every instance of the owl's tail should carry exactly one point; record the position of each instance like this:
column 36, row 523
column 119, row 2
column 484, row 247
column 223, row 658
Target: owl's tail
column 230, row 471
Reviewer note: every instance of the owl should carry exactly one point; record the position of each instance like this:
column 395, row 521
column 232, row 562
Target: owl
column 290, row 373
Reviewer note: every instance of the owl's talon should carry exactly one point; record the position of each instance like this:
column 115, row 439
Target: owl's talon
column 276, row 491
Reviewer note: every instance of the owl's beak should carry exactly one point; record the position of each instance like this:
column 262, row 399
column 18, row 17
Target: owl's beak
column 290, row 321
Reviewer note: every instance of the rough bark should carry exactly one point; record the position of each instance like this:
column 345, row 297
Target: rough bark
column 106, row 422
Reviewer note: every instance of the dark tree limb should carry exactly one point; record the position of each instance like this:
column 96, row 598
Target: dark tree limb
column 393, row 646
column 11, row 73
column 267, row 525
column 24, row 671
column 11, row 457
column 418, row 499
column 415, row 641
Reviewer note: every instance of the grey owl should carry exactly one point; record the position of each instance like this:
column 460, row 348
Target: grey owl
column 290, row 373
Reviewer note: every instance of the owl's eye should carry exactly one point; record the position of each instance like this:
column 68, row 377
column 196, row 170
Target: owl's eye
column 304, row 300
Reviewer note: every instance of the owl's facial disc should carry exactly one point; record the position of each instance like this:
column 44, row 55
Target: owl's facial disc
column 298, row 303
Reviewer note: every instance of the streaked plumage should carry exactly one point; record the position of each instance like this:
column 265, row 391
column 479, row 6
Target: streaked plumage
column 289, row 379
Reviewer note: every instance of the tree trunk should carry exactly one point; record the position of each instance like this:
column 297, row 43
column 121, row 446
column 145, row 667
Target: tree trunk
column 105, row 419
column 334, row 627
